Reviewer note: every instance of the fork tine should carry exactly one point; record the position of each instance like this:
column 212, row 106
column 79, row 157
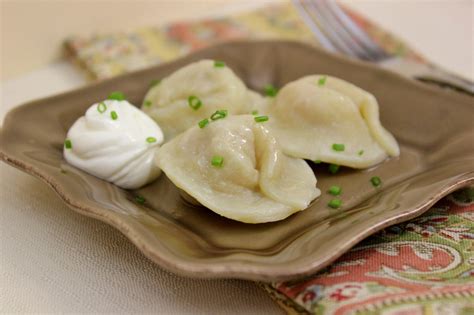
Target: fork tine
column 319, row 16
column 323, row 6
column 307, row 18
column 357, row 33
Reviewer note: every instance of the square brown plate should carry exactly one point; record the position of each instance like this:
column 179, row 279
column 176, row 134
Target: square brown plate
column 434, row 128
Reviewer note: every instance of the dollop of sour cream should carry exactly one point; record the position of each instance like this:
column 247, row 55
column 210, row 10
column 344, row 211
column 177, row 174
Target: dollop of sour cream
column 115, row 141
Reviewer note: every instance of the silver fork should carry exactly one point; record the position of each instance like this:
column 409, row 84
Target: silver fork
column 338, row 33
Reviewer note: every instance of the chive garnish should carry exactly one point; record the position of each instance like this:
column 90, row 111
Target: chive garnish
column 217, row 161
column 335, row 190
column 194, row 102
column 68, row 144
column 335, row 203
column 317, row 161
column 270, row 90
column 322, row 81
column 219, row 114
column 376, row 181
column 140, row 199
column 360, row 152
column 203, row 123
column 118, row 96
column 255, row 112
column 154, row 82
column 114, row 115
column 219, row 64
column 151, row 139
column 101, row 108
column 333, row 168
column 147, row 103
column 261, row 118
column 338, row 147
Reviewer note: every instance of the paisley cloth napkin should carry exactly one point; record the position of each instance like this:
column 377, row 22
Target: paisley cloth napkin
column 425, row 266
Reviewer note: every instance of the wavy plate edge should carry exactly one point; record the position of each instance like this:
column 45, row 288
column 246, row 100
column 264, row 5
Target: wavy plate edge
column 230, row 270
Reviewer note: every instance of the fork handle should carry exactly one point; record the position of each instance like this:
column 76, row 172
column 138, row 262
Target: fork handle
column 429, row 74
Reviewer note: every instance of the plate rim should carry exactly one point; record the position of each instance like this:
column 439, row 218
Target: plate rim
column 228, row 269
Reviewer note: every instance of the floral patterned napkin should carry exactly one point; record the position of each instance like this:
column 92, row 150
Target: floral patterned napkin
column 425, row 266
column 107, row 55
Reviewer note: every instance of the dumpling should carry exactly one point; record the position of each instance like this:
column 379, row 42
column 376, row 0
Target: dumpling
column 257, row 102
column 193, row 93
column 235, row 167
column 115, row 141
column 331, row 120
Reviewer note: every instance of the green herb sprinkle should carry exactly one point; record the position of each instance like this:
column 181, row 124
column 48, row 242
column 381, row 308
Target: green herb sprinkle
column 68, row 144
column 335, row 190
column 101, row 108
column 333, row 168
column 261, row 118
column 376, row 181
column 338, row 147
column 194, row 102
column 335, row 203
column 118, row 96
column 219, row 114
column 203, row 123
column 114, row 115
column 270, row 90
column 217, row 161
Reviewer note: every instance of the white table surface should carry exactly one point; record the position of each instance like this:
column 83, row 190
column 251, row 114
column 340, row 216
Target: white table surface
column 53, row 260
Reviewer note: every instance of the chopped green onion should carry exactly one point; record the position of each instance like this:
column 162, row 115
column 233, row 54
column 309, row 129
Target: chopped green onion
column 261, row 118
column 154, row 82
column 68, row 144
column 219, row 114
column 101, row 108
column 151, row 139
column 217, row 161
column 254, row 112
column 219, row 64
column 322, row 81
column 335, row 190
column 317, row 161
column 114, row 115
column 118, row 96
column 338, row 147
column 333, row 168
column 194, row 102
column 335, row 203
column 376, row 181
column 147, row 103
column 140, row 199
column 63, row 171
column 203, row 123
column 360, row 152
column 270, row 90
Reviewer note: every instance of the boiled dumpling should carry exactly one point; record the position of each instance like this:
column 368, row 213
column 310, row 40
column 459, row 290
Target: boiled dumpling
column 235, row 167
column 115, row 141
column 193, row 93
column 331, row 120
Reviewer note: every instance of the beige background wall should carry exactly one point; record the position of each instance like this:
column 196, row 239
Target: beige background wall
column 32, row 30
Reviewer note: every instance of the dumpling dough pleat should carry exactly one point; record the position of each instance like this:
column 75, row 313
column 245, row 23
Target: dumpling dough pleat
column 216, row 87
column 308, row 118
column 256, row 183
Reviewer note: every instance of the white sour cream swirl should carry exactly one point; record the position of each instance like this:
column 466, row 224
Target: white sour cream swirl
column 115, row 141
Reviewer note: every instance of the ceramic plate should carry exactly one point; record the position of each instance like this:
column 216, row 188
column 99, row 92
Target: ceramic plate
column 434, row 128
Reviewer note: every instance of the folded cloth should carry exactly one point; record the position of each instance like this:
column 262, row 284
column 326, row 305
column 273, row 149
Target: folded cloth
column 425, row 266
column 104, row 56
